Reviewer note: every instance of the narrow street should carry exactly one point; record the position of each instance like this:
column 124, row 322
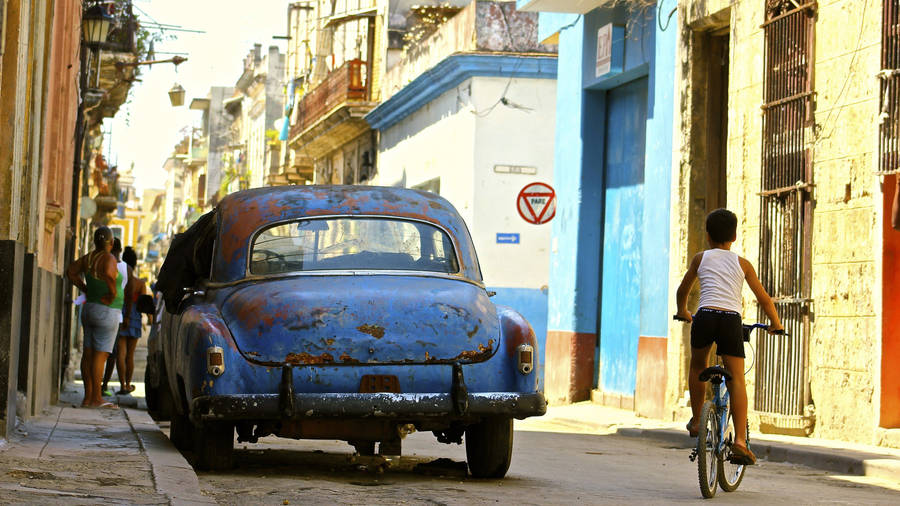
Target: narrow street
column 547, row 468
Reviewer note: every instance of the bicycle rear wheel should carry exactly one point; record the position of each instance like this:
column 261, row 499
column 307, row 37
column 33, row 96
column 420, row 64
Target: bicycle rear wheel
column 707, row 440
column 730, row 475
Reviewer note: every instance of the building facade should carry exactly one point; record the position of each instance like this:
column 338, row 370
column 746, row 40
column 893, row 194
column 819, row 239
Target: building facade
column 811, row 176
column 609, row 275
column 452, row 104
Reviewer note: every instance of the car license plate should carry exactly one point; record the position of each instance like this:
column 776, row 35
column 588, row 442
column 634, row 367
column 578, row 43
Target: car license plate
column 371, row 383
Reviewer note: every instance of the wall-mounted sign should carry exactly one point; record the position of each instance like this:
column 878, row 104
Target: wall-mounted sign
column 610, row 50
column 537, row 203
column 507, row 238
column 515, row 169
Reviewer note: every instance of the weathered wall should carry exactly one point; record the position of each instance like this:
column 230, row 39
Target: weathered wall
column 845, row 341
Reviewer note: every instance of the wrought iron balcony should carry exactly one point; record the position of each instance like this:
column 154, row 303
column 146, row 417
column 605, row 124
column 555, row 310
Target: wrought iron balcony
column 345, row 84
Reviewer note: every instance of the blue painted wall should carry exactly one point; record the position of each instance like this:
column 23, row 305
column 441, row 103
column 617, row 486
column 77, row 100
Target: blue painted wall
column 579, row 173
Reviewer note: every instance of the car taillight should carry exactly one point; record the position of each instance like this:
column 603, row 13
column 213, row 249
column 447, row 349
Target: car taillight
column 215, row 360
column 525, row 354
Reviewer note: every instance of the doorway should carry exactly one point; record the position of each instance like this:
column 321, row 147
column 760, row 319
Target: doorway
column 620, row 299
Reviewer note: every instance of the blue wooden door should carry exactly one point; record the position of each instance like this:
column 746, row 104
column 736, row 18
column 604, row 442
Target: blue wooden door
column 620, row 303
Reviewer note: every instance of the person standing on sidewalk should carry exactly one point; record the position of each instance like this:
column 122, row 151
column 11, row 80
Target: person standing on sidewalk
column 96, row 275
column 111, row 361
column 130, row 332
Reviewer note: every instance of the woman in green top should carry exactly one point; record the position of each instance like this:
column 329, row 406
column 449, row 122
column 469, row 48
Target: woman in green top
column 96, row 275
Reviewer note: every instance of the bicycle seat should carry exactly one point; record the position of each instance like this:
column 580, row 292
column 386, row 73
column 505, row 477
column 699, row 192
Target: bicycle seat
column 715, row 373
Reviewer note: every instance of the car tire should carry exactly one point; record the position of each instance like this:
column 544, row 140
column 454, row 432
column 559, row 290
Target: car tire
column 214, row 446
column 489, row 447
column 181, row 431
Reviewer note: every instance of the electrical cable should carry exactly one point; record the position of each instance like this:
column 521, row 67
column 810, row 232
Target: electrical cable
column 862, row 22
column 668, row 20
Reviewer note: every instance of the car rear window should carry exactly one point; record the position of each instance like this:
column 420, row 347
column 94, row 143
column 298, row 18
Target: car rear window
column 352, row 244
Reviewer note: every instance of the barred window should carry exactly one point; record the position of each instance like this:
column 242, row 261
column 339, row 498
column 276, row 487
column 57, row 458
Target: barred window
column 782, row 385
column 889, row 119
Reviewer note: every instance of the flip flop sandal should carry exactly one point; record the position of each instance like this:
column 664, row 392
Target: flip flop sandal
column 108, row 405
column 741, row 455
column 131, row 388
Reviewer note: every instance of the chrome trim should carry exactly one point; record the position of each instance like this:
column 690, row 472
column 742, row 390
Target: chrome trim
column 285, row 275
column 253, row 236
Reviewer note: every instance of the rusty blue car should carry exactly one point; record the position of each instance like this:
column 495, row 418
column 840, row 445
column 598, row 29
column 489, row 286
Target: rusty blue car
column 354, row 313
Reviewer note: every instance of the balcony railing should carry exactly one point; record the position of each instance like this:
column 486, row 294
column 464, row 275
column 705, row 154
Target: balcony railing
column 346, row 83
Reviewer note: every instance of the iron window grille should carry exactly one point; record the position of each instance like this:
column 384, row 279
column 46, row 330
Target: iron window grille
column 889, row 119
column 782, row 395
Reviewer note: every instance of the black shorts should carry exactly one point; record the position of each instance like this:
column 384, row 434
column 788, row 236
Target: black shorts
column 721, row 327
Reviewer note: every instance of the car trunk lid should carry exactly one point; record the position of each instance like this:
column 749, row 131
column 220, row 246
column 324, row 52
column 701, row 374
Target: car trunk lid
column 373, row 319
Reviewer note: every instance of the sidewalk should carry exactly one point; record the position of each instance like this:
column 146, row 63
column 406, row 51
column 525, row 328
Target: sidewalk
column 835, row 456
column 74, row 455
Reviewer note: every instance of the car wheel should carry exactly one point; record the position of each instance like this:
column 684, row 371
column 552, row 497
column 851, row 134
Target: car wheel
column 366, row 448
column 181, row 431
column 214, row 446
column 489, row 447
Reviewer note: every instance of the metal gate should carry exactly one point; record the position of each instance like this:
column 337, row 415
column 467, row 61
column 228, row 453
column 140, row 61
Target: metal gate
column 889, row 119
column 782, row 396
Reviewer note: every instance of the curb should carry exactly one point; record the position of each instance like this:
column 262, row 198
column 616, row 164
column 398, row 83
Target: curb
column 828, row 459
column 172, row 475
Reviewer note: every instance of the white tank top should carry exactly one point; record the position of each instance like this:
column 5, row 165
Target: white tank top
column 721, row 280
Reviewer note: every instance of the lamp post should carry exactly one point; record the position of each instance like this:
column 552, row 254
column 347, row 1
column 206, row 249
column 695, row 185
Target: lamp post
column 95, row 24
column 176, row 95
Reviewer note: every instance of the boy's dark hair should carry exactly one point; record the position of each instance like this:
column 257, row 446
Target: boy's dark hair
column 129, row 257
column 117, row 246
column 721, row 225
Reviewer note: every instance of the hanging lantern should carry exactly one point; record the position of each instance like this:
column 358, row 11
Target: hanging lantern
column 95, row 23
column 176, row 95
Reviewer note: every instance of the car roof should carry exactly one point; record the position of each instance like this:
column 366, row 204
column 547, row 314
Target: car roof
column 242, row 214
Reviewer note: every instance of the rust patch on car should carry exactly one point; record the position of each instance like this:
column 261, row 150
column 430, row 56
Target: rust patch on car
column 306, row 359
column 483, row 352
column 373, row 330
column 472, row 333
column 253, row 353
column 347, row 359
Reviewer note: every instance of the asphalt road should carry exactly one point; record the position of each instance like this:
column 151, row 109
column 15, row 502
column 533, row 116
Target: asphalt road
column 547, row 468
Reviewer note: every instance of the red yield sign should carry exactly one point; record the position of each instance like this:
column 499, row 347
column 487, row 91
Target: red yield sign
column 537, row 203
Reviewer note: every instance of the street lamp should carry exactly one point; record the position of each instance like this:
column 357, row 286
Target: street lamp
column 176, row 95
column 95, row 23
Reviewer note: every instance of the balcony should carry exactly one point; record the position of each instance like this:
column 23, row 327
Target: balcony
column 332, row 113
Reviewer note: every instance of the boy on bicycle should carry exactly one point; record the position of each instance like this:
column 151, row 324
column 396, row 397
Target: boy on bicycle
column 722, row 274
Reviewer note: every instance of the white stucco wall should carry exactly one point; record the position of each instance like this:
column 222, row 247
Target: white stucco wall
column 510, row 136
column 436, row 141
column 456, row 139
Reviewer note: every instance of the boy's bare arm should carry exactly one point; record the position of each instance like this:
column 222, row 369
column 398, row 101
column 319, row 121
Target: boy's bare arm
column 761, row 295
column 684, row 289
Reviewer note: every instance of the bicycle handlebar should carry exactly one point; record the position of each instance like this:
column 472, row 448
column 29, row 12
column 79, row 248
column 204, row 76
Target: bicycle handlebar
column 749, row 327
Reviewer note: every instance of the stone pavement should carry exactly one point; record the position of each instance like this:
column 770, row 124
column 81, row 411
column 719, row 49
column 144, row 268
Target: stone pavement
column 845, row 458
column 74, row 455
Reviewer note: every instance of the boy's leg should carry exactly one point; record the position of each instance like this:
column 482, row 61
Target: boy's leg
column 737, row 389
column 699, row 361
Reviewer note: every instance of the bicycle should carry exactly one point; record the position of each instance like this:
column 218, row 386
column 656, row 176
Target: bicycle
column 715, row 463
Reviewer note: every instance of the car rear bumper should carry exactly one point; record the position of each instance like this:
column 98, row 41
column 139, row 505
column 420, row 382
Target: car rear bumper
column 399, row 406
